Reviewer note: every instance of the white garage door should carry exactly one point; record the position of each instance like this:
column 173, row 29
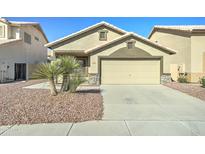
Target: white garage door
column 130, row 72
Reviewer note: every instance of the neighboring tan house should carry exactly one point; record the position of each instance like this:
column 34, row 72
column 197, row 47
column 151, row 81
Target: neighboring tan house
column 114, row 56
column 21, row 48
column 189, row 42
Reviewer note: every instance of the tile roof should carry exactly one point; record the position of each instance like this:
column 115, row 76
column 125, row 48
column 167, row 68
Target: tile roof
column 182, row 28
column 169, row 50
column 84, row 31
column 22, row 23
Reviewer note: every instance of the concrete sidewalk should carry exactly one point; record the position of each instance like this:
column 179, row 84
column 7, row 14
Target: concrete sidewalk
column 108, row 128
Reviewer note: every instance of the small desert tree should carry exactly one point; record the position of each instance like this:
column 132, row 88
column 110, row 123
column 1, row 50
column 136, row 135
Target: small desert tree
column 68, row 65
column 75, row 81
column 48, row 71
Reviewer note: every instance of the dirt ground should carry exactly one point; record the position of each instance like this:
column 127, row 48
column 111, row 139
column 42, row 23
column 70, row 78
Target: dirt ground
column 28, row 106
column 194, row 90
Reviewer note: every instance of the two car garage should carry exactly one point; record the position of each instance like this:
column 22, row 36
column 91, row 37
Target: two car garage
column 130, row 70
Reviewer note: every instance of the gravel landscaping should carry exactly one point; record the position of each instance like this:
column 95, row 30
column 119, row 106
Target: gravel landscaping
column 20, row 105
column 194, row 90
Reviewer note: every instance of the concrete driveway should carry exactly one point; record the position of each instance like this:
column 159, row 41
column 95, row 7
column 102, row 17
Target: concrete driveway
column 132, row 110
column 154, row 110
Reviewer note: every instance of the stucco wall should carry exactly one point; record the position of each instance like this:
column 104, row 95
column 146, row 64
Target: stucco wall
column 153, row 51
column 197, row 54
column 5, row 30
column 31, row 68
column 21, row 52
column 190, row 49
column 15, row 32
column 36, row 52
column 204, row 62
column 87, row 41
column 182, row 44
column 10, row 54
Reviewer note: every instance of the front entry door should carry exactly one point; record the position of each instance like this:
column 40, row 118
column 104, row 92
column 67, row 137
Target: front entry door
column 20, row 71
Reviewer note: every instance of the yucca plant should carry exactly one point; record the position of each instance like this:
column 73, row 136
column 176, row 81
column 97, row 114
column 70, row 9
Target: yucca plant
column 182, row 78
column 48, row 71
column 203, row 81
column 76, row 80
column 68, row 65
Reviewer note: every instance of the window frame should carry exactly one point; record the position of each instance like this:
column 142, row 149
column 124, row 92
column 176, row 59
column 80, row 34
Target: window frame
column 25, row 39
column 3, row 31
column 36, row 38
column 130, row 44
column 105, row 34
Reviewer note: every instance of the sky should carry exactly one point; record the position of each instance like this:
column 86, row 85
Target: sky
column 57, row 27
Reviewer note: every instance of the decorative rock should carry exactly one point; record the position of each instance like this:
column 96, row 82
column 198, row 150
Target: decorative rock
column 166, row 78
column 20, row 105
column 93, row 79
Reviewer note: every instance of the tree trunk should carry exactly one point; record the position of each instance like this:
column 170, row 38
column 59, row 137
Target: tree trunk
column 65, row 83
column 52, row 87
column 68, row 83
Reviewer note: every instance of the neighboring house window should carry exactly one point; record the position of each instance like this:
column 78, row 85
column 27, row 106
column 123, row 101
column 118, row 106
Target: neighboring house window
column 27, row 38
column 130, row 44
column 103, row 35
column 1, row 31
column 36, row 38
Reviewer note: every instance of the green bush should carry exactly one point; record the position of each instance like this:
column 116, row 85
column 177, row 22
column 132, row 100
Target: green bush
column 75, row 81
column 182, row 78
column 203, row 82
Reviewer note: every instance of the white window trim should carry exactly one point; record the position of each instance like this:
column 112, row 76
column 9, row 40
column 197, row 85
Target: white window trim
column 3, row 32
column 25, row 39
column 133, row 44
column 104, row 31
column 36, row 38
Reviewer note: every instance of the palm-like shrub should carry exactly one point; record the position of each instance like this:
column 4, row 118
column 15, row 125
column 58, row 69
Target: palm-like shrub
column 182, row 78
column 76, row 80
column 48, row 71
column 68, row 65
column 202, row 81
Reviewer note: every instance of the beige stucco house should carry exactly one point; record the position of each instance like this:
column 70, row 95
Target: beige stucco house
column 111, row 55
column 189, row 42
column 21, row 48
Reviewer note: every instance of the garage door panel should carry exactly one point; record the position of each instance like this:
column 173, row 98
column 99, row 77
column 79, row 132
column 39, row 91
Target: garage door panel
column 130, row 72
